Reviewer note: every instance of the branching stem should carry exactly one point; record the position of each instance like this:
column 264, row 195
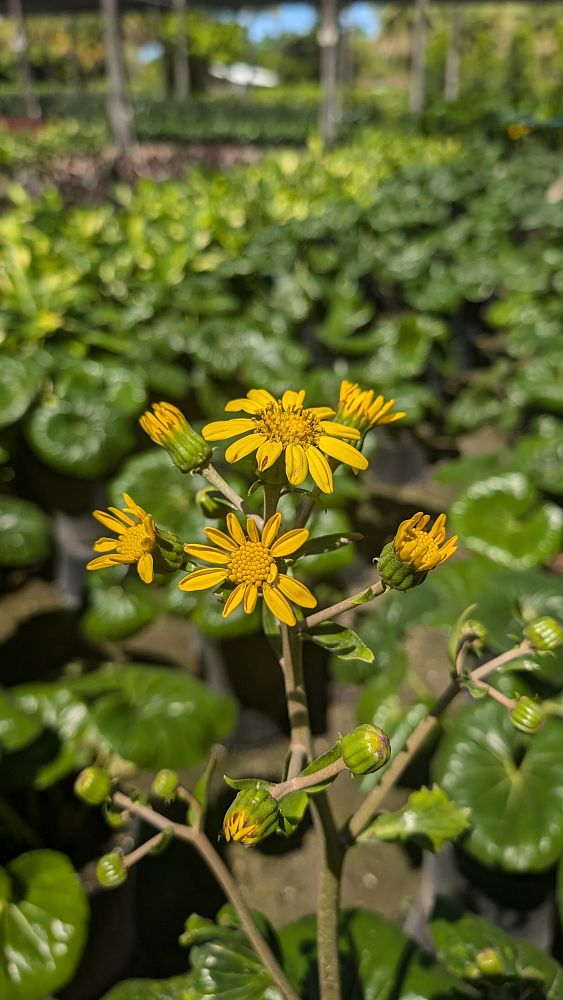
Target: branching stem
column 375, row 590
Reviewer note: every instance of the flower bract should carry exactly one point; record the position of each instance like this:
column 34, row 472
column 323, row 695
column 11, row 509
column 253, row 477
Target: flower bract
column 363, row 409
column 250, row 562
column 135, row 542
column 305, row 435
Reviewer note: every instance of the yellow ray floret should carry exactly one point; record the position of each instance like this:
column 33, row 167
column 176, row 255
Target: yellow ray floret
column 249, row 561
column 361, row 408
column 421, row 548
column 135, row 542
column 284, row 426
column 238, row 827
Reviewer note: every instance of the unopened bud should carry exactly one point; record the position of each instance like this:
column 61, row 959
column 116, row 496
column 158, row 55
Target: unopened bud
column 93, row 785
column 111, row 871
column 252, row 817
column 545, row 634
column 165, row 783
column 396, row 574
column 489, row 962
column 168, row 553
column 528, row 715
column 168, row 427
column 365, row 749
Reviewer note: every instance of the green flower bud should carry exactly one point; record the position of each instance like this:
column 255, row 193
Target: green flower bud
column 474, row 633
column 365, row 749
column 168, row 427
column 252, row 817
column 168, row 552
column 396, row 574
column 93, row 785
column 545, row 634
column 111, row 871
column 165, row 784
column 489, row 962
column 406, row 561
column 528, row 715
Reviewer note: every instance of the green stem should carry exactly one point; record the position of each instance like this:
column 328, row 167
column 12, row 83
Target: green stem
column 210, row 473
column 326, row 614
column 271, row 496
column 302, row 782
column 300, row 743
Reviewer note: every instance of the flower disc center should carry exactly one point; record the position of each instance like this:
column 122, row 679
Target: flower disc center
column 294, row 426
column 250, row 563
column 134, row 542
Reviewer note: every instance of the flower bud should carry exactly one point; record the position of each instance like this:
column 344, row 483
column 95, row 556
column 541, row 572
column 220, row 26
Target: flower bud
column 168, row 427
column 489, row 962
column 93, row 785
column 252, row 817
column 545, row 634
column 111, row 871
column 396, row 574
column 165, row 783
column 168, row 552
column 414, row 551
column 528, row 715
column 365, row 749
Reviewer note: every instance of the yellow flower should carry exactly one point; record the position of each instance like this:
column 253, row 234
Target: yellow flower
column 420, row 548
column 518, row 130
column 284, row 425
column 250, row 562
column 358, row 408
column 135, row 542
column 168, row 427
column 238, row 827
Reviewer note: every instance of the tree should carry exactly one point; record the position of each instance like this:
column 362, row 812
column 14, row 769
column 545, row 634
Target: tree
column 20, row 48
column 119, row 110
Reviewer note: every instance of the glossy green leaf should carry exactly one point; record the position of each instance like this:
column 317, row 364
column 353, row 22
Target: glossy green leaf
column 43, row 924
column 224, row 965
column 540, row 455
column 19, row 382
column 512, row 783
column 328, row 543
column 177, row 988
column 429, row 818
column 502, row 519
column 25, row 533
column 63, row 715
column 18, row 728
column 84, row 437
column 466, row 944
column 341, row 641
column 118, row 610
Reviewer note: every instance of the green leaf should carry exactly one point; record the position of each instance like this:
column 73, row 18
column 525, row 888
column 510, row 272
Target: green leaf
column 117, row 611
column 25, row 533
column 399, row 723
column 428, row 818
column 341, row 641
column 292, row 810
column 512, row 783
column 224, row 965
column 539, row 455
column 84, row 437
column 502, row 519
column 378, row 961
column 327, row 563
column 328, row 543
column 463, row 940
column 19, row 382
column 18, row 728
column 157, row 485
column 63, row 714
column 157, row 717
column 177, row 988
column 43, row 924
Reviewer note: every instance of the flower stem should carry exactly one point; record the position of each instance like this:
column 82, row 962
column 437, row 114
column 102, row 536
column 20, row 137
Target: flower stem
column 374, row 591
column 523, row 649
column 206, row 850
column 141, row 852
column 300, row 744
column 301, row 783
column 210, row 473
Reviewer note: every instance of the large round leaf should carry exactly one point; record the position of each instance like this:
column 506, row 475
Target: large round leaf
column 156, row 717
column 18, row 728
column 540, row 455
column 158, row 486
column 83, row 437
column 122, row 388
column 118, row 607
column 19, row 381
column 502, row 519
column 43, row 924
column 24, row 533
column 512, row 783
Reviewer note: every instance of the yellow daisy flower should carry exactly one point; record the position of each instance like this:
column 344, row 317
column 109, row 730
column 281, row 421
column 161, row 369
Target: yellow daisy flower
column 306, row 435
column 250, row 562
column 135, row 542
column 358, row 407
column 420, row 548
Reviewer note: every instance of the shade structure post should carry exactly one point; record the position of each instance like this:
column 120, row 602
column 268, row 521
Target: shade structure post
column 119, row 110
column 328, row 37
column 418, row 57
column 20, row 48
column 451, row 77
column 181, row 62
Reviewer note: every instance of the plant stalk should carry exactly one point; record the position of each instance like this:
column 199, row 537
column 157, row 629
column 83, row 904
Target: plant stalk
column 326, row 614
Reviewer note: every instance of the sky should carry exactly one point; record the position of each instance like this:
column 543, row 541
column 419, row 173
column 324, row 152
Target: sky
column 301, row 17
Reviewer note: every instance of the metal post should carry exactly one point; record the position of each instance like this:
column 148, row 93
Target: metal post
column 181, row 63
column 451, row 78
column 119, row 110
column 20, row 48
column 328, row 36
column 418, row 64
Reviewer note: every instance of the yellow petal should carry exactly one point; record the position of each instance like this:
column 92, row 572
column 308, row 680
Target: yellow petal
column 246, row 405
column 271, row 529
column 322, row 412
column 145, row 568
column 340, row 430
column 122, row 516
column 289, row 542
column 129, row 502
column 105, row 544
column 243, row 447
column 219, row 430
column 250, row 598
column 102, row 562
column 220, row 539
column 267, row 454
column 296, row 592
column 278, row 605
column 343, row 452
column 320, row 470
column 295, row 464
column 262, row 397
column 252, row 530
column 109, row 522
column 293, row 400
column 233, row 600
column 208, row 554
column 202, row 579
column 235, row 530
column 392, row 417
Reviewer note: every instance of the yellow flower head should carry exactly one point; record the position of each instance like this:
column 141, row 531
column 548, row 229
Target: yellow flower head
column 358, row 408
column 168, row 427
column 518, row 130
column 238, row 827
column 273, row 426
column 135, row 542
column 249, row 561
column 424, row 550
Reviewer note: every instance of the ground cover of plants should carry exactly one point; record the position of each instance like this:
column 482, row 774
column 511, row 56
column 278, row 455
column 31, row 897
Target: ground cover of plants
column 428, row 268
